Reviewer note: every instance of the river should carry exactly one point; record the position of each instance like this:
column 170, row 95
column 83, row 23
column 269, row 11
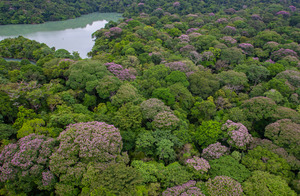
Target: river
column 72, row 35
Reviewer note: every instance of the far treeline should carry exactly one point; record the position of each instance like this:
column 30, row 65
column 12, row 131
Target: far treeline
column 178, row 98
column 39, row 11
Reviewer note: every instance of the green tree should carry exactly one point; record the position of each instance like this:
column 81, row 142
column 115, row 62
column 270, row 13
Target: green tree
column 85, row 71
column 208, row 133
column 177, row 76
column 107, row 86
column 117, row 179
column 228, row 166
column 126, row 93
column 264, row 183
column 165, row 95
column 265, row 160
column 128, row 117
column 203, row 111
column 203, row 84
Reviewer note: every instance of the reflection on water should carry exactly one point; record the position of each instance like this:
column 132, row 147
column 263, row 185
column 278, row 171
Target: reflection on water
column 72, row 35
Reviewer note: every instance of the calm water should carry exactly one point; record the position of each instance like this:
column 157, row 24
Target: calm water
column 72, row 35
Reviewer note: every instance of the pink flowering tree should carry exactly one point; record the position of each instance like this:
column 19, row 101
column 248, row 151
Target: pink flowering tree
column 281, row 53
column 115, row 31
column 24, row 166
column 247, row 48
column 214, row 151
column 176, row 4
column 229, row 30
column 120, row 72
column 293, row 8
column 165, row 120
column 179, row 66
column 223, row 185
column 191, row 30
column 230, row 11
column 199, row 167
column 184, row 38
column 286, row 134
column 238, row 135
column 151, row 107
column 255, row 17
column 229, row 41
column 188, row 188
column 82, row 145
column 185, row 50
column 283, row 13
column 222, row 20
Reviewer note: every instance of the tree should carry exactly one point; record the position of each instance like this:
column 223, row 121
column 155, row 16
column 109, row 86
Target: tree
column 177, row 76
column 238, row 135
column 36, row 126
column 165, row 120
column 203, row 84
column 83, row 144
column 173, row 174
column 199, row 167
column 84, row 72
column 233, row 80
column 128, row 117
column 232, row 55
column 265, row 160
column 291, row 76
column 208, row 133
column 161, row 143
column 286, row 134
column 151, row 107
column 65, row 115
column 183, row 97
column 6, row 131
column 107, row 86
column 255, row 73
column 223, row 185
column 165, row 95
column 25, row 165
column 264, row 183
column 165, row 151
column 274, row 95
column 204, row 110
column 8, row 110
column 214, row 151
column 126, row 93
column 148, row 170
column 258, row 110
column 117, row 179
column 266, row 36
column 228, row 166
column 184, row 189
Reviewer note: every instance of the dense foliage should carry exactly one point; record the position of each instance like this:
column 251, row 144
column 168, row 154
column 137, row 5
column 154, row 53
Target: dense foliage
column 178, row 98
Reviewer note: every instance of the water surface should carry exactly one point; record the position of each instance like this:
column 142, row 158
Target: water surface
column 72, row 35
